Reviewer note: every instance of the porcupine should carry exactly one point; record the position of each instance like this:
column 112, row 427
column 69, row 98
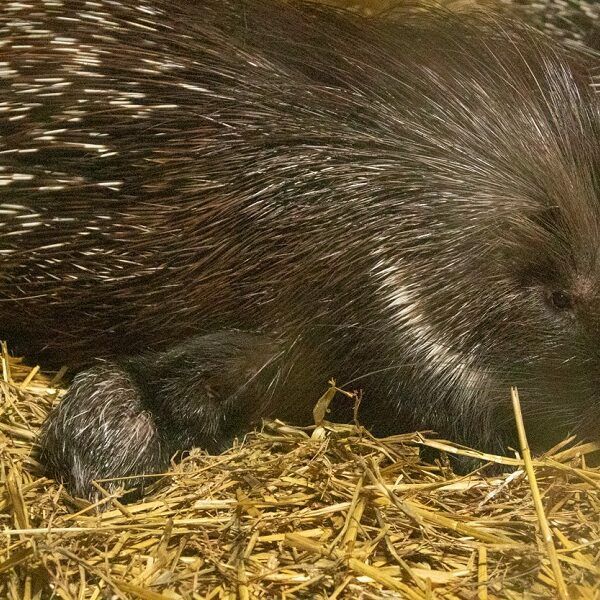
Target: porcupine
column 229, row 202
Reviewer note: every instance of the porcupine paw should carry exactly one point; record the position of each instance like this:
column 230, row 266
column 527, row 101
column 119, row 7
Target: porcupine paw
column 101, row 431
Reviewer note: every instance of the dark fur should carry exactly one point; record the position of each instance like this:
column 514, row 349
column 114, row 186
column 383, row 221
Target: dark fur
column 272, row 195
column 574, row 22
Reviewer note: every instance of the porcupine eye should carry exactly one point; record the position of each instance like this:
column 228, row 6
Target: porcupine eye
column 561, row 300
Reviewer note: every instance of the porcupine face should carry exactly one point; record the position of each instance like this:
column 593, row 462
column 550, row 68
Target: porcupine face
column 520, row 307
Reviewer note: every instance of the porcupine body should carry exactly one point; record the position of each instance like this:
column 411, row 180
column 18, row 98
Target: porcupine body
column 230, row 202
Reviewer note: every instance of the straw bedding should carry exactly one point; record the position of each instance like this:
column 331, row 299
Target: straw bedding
column 324, row 512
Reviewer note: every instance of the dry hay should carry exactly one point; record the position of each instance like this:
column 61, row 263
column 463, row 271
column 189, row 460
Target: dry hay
column 324, row 512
